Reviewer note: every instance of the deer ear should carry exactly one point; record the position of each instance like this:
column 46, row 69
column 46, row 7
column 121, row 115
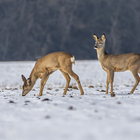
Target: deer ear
column 95, row 37
column 103, row 37
column 28, row 82
column 23, row 79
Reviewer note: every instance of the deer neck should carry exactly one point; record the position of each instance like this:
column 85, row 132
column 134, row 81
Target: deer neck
column 101, row 54
column 33, row 78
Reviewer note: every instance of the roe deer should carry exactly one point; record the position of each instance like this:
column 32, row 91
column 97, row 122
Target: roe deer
column 116, row 63
column 45, row 66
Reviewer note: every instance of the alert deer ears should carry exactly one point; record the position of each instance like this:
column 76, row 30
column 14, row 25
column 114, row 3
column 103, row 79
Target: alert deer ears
column 103, row 37
column 95, row 37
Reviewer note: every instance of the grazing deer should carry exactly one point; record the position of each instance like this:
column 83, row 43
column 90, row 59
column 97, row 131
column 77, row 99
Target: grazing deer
column 116, row 63
column 45, row 66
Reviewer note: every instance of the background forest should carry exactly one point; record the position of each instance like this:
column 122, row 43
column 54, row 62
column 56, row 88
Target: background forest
column 30, row 29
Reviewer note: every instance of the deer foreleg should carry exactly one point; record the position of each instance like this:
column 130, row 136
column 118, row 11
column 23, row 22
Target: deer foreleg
column 111, row 76
column 107, row 83
column 43, row 82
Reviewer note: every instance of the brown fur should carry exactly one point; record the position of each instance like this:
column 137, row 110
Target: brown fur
column 116, row 63
column 45, row 66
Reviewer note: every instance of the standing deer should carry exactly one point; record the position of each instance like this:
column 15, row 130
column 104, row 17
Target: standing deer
column 45, row 66
column 116, row 63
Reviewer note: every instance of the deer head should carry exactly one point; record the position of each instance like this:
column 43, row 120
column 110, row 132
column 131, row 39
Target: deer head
column 26, row 86
column 99, row 42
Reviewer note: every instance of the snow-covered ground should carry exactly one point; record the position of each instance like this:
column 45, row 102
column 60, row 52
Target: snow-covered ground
column 94, row 116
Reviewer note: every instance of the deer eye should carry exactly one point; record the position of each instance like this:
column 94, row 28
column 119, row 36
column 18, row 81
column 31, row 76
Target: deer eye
column 24, row 86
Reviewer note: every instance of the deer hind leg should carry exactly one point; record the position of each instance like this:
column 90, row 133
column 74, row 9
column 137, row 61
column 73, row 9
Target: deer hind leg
column 78, row 81
column 72, row 74
column 68, row 81
column 43, row 82
column 137, row 79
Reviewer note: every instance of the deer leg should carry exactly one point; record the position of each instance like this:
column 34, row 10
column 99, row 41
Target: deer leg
column 107, row 83
column 43, row 82
column 71, row 73
column 111, row 76
column 137, row 79
column 112, row 94
column 68, row 81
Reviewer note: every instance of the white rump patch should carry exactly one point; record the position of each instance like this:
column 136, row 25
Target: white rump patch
column 73, row 59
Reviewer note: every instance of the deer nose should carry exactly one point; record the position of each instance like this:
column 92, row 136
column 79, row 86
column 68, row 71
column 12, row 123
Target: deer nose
column 95, row 47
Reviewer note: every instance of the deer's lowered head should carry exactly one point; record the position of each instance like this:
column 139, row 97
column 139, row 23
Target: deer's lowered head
column 26, row 86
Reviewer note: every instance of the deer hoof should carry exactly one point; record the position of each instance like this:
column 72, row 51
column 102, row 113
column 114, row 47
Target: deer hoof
column 113, row 95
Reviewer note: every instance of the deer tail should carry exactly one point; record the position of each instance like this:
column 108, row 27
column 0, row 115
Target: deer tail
column 73, row 59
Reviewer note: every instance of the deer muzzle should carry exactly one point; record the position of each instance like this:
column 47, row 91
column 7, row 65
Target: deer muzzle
column 95, row 47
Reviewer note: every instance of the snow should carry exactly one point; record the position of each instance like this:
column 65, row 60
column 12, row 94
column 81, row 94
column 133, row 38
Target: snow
column 93, row 116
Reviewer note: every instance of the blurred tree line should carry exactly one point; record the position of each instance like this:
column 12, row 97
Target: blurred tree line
column 30, row 29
